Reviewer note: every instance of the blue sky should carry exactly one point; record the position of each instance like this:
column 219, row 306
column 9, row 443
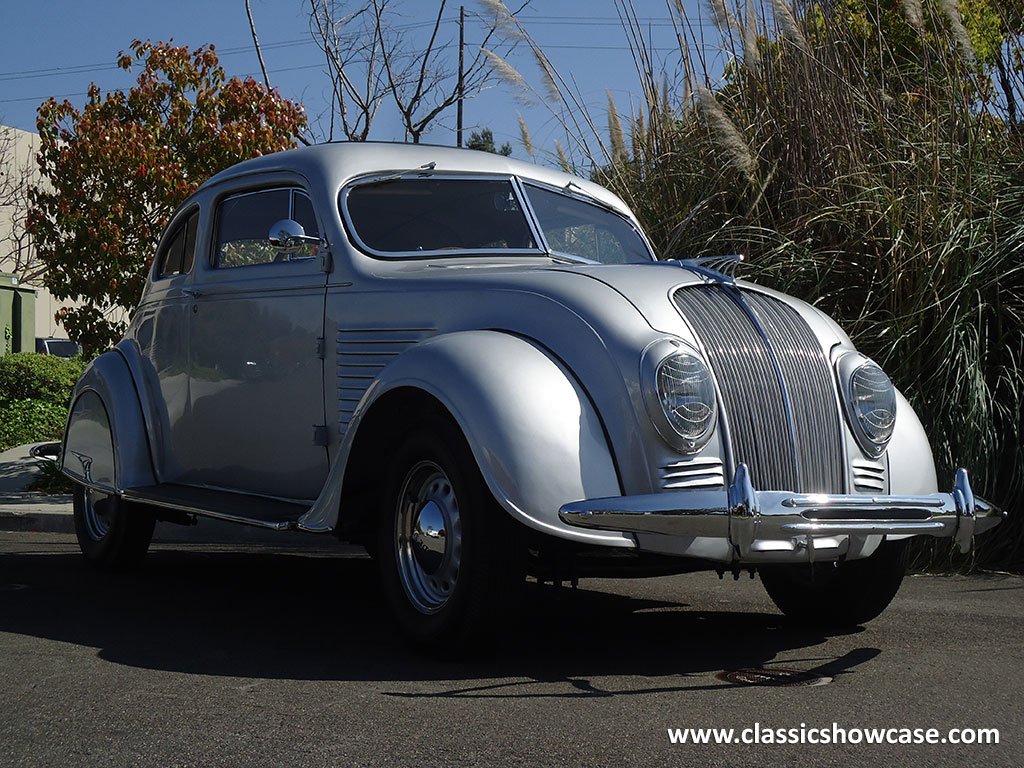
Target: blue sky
column 59, row 48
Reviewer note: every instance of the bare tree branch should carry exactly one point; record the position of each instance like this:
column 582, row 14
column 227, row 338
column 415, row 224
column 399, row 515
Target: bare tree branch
column 348, row 42
column 17, row 252
column 256, row 42
column 420, row 80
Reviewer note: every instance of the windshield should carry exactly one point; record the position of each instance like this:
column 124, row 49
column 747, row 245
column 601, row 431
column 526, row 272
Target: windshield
column 452, row 216
column 577, row 228
column 411, row 216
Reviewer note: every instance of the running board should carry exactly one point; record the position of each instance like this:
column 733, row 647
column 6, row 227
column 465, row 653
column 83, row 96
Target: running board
column 222, row 505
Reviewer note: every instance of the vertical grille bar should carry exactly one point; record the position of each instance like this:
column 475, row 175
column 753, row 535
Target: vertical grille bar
column 809, row 383
column 755, row 400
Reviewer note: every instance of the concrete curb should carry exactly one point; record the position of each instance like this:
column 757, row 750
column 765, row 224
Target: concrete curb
column 36, row 520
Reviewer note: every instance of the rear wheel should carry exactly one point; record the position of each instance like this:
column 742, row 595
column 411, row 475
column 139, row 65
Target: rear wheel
column 847, row 593
column 450, row 558
column 113, row 534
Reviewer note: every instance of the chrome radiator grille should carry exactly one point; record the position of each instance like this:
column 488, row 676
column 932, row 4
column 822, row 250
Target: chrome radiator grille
column 776, row 388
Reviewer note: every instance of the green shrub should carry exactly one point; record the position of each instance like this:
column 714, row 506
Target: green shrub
column 28, row 376
column 30, row 421
column 50, row 479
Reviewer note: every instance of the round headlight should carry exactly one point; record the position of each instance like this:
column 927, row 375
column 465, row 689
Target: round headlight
column 680, row 394
column 871, row 400
column 687, row 395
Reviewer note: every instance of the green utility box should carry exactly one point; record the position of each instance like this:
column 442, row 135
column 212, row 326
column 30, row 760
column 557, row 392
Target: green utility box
column 17, row 316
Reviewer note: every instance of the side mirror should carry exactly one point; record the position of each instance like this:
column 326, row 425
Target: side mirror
column 288, row 236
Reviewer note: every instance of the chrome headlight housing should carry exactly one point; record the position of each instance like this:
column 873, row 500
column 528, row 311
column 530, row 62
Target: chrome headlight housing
column 679, row 392
column 870, row 400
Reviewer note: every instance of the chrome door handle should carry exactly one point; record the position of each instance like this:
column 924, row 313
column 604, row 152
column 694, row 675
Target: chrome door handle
column 192, row 293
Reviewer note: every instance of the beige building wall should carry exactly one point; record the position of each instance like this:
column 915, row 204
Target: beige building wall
column 21, row 155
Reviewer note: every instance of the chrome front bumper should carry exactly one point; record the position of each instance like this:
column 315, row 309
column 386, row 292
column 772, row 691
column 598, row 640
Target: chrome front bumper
column 747, row 518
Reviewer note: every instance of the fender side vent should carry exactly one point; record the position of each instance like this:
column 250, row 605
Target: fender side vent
column 869, row 476
column 362, row 354
column 693, row 473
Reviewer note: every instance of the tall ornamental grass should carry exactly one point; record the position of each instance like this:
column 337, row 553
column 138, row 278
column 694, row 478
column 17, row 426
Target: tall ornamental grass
column 865, row 157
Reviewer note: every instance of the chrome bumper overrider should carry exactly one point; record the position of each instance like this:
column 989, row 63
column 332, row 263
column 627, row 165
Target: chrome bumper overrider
column 745, row 516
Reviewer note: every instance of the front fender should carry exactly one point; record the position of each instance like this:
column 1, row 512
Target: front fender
column 536, row 438
column 105, row 443
column 911, row 467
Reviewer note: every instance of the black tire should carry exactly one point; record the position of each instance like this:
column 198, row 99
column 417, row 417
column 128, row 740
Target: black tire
column 113, row 534
column 841, row 594
column 451, row 561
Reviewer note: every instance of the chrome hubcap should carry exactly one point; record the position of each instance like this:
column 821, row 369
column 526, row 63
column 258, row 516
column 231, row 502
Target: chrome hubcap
column 99, row 513
column 428, row 537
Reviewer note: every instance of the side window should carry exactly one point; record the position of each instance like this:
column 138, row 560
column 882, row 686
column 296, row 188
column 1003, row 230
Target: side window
column 244, row 221
column 178, row 253
column 189, row 257
column 302, row 212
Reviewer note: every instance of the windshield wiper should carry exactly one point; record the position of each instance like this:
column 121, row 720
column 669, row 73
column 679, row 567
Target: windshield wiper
column 563, row 259
column 575, row 189
column 421, row 170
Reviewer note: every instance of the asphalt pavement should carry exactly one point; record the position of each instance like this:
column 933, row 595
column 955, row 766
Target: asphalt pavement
column 261, row 655
column 234, row 646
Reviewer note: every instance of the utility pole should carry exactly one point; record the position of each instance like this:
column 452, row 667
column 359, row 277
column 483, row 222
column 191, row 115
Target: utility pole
column 462, row 44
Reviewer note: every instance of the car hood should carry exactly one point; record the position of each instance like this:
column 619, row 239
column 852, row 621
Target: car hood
column 649, row 288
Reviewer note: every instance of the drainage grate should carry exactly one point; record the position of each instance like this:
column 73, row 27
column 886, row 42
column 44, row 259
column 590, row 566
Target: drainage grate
column 778, row 678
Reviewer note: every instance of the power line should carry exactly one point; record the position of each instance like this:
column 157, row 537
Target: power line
column 78, row 69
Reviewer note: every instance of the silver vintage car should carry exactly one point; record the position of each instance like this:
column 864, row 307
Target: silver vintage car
column 478, row 369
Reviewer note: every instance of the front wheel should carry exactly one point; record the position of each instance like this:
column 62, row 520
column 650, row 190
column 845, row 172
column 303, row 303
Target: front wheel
column 449, row 557
column 847, row 593
column 113, row 534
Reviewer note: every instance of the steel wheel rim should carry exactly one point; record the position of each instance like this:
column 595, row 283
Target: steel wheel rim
column 428, row 537
column 97, row 514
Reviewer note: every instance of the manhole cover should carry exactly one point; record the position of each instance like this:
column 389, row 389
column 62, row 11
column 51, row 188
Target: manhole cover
column 781, row 678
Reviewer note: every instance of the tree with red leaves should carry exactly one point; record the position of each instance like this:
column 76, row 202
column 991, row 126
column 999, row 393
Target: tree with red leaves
column 113, row 173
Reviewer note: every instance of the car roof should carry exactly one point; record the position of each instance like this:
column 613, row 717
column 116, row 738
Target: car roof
column 337, row 163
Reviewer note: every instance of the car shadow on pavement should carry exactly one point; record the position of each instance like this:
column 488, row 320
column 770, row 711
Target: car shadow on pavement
column 276, row 614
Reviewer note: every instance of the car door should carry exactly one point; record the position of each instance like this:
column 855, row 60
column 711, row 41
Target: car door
column 160, row 328
column 255, row 370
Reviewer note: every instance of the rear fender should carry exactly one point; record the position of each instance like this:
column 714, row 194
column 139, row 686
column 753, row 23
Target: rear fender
column 105, row 444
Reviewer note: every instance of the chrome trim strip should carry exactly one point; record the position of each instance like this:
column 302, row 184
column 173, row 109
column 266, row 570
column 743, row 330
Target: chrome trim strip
column 353, row 233
column 87, row 483
column 180, row 507
column 531, row 214
column 733, row 293
column 815, row 500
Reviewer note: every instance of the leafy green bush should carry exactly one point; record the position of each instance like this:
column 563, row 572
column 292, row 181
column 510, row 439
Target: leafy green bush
column 28, row 376
column 50, row 479
column 30, row 421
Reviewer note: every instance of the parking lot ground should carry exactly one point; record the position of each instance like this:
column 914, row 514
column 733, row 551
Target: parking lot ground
column 262, row 655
